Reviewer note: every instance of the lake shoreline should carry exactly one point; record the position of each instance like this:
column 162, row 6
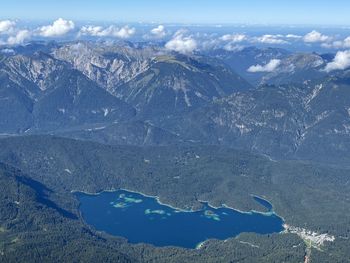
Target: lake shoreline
column 208, row 211
column 157, row 198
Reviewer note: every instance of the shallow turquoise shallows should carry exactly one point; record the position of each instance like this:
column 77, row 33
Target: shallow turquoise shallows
column 142, row 219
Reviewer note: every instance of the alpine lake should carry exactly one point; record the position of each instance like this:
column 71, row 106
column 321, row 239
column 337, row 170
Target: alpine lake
column 142, row 219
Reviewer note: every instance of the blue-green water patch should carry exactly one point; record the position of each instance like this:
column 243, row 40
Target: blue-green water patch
column 143, row 219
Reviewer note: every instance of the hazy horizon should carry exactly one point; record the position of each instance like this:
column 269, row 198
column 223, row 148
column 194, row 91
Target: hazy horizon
column 251, row 12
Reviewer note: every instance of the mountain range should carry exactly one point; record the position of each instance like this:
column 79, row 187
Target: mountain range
column 144, row 94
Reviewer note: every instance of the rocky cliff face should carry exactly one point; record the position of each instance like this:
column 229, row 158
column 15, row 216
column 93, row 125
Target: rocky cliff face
column 173, row 84
column 42, row 93
column 108, row 66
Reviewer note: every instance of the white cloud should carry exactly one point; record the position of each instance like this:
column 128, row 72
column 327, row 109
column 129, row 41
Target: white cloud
column 338, row 44
column 19, row 38
column 58, row 28
column 269, row 67
column 93, row 31
column 111, row 31
column 315, row 36
column 235, row 38
column 292, row 36
column 271, row 39
column 340, row 62
column 6, row 26
column 125, row 32
column 159, row 31
column 346, row 42
column 181, row 43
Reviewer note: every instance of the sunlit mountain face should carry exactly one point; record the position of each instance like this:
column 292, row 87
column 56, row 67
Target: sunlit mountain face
column 166, row 132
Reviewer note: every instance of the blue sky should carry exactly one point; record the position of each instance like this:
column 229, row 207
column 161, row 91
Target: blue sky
column 309, row 12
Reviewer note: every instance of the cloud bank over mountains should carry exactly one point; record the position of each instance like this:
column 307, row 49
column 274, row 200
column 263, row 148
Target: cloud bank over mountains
column 271, row 39
column 111, row 31
column 178, row 38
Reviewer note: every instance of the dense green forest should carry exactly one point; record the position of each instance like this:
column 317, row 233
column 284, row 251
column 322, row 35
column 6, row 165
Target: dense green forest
column 42, row 171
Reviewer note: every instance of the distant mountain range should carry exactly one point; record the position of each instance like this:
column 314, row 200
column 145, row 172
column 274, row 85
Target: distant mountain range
column 145, row 95
column 293, row 67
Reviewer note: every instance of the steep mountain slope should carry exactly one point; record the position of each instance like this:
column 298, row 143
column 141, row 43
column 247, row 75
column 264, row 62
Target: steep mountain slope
column 326, row 131
column 86, row 83
column 108, row 65
column 177, row 83
column 31, row 71
column 43, row 93
column 75, row 100
column 152, row 79
column 178, row 99
column 14, row 105
column 308, row 121
column 265, row 120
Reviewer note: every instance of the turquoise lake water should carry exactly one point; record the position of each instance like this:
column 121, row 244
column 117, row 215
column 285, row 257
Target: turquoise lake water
column 142, row 219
